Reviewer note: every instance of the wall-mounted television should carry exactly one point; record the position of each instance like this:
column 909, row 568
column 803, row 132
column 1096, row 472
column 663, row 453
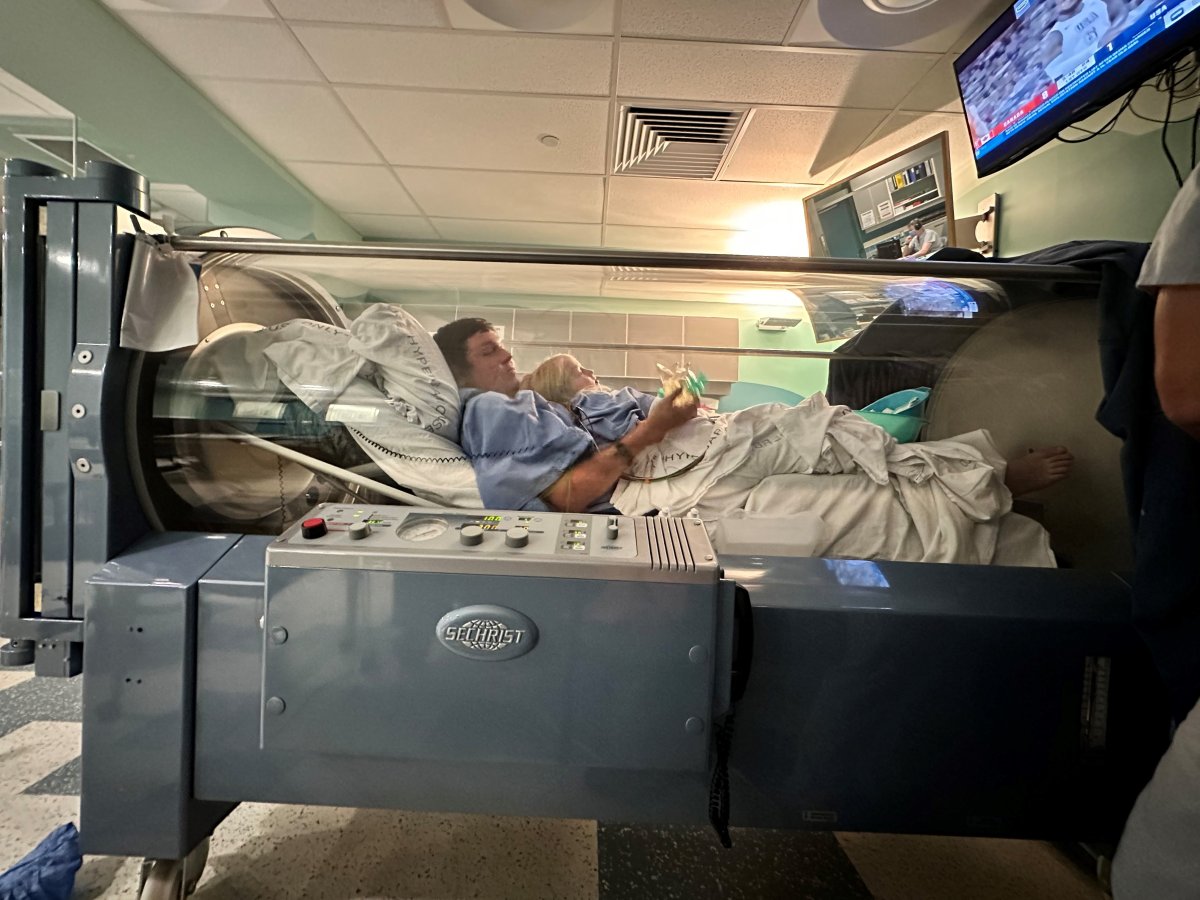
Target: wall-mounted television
column 1045, row 64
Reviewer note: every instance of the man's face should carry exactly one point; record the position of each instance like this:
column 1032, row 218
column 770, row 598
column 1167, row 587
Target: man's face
column 490, row 364
column 1068, row 7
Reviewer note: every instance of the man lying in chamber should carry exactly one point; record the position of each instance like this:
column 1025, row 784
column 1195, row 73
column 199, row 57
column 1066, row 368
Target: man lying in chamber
column 584, row 448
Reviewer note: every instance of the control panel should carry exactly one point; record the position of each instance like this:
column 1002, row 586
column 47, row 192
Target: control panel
column 531, row 534
column 398, row 537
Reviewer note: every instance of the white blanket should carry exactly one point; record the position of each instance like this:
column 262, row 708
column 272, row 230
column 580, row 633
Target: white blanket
column 940, row 501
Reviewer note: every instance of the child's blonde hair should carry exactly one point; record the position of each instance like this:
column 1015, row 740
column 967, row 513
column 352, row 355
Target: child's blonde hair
column 551, row 380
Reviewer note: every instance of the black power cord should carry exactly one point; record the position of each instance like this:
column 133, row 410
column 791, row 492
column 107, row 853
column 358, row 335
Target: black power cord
column 1180, row 81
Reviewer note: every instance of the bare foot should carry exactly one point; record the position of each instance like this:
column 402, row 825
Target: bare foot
column 1037, row 469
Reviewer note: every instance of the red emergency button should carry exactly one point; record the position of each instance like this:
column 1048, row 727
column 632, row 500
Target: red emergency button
column 313, row 528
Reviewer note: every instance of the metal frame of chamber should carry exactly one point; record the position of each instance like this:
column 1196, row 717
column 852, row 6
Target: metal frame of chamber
column 965, row 699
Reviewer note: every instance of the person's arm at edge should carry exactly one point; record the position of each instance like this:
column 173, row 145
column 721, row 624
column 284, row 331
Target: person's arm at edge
column 1177, row 355
column 588, row 480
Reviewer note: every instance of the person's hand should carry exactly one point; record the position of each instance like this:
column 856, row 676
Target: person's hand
column 668, row 414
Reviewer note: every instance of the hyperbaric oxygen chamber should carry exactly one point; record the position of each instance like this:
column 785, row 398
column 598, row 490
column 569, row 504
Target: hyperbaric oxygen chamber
column 220, row 637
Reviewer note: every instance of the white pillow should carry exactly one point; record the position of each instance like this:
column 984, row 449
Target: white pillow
column 431, row 466
column 410, row 368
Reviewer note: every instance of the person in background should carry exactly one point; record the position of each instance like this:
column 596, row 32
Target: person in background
column 1159, row 854
column 1124, row 14
column 1074, row 36
column 920, row 240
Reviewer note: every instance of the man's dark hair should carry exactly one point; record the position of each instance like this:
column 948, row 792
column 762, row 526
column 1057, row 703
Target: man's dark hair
column 452, row 339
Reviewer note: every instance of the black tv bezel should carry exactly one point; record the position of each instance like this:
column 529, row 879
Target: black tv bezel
column 1118, row 80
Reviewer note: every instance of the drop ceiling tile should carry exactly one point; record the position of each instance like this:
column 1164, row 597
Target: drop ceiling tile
column 679, row 203
column 391, row 227
column 936, row 92
column 255, row 9
column 476, row 131
column 182, row 199
column 421, row 13
column 523, row 63
column 687, row 70
column 293, row 121
column 42, row 104
column 679, row 240
column 749, row 21
column 933, row 29
column 356, row 189
column 467, row 194
column 12, row 104
column 903, row 130
column 196, row 45
column 548, row 234
column 597, row 20
column 790, row 145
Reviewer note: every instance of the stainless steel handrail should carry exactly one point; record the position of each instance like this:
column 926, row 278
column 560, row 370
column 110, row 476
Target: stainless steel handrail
column 730, row 351
column 633, row 259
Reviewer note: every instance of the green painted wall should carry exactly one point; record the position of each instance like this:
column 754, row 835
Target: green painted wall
column 1116, row 186
column 136, row 107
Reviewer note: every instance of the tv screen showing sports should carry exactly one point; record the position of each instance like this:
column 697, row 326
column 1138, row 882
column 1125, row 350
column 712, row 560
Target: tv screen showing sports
column 1047, row 63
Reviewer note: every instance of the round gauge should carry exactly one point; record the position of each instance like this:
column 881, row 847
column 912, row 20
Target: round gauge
column 425, row 528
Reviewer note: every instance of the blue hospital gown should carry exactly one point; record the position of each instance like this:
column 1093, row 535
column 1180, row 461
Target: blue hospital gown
column 519, row 446
column 610, row 415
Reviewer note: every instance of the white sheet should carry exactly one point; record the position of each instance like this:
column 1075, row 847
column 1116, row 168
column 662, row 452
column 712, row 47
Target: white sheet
column 941, row 501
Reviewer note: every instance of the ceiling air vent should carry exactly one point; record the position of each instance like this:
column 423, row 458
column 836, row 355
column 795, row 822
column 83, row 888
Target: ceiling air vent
column 665, row 142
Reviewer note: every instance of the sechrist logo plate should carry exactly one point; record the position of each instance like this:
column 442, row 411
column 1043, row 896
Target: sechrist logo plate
column 487, row 632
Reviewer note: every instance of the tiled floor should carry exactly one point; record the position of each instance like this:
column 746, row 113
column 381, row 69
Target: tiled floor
column 320, row 853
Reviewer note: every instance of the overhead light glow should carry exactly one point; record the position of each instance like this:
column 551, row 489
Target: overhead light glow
column 771, row 229
column 767, row 299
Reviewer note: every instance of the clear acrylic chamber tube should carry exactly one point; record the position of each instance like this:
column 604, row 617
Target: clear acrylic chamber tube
column 1004, row 347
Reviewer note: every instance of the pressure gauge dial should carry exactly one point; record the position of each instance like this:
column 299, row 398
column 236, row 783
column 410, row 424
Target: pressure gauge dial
column 422, row 529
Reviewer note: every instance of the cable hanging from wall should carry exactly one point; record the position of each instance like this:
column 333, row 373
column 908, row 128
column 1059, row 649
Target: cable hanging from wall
column 1180, row 82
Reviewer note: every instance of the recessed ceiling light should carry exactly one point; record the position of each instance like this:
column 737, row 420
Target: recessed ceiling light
column 548, row 140
column 190, row 6
column 888, row 23
column 892, row 7
column 534, row 15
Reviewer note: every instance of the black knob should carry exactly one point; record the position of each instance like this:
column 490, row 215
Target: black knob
column 311, row 529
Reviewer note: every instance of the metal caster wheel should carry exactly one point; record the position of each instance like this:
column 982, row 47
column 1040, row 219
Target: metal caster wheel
column 173, row 879
column 162, row 879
